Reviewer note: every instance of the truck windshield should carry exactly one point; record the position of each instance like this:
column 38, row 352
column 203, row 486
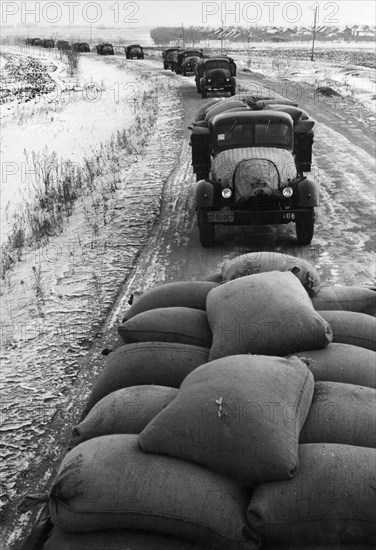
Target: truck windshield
column 217, row 64
column 193, row 53
column 265, row 133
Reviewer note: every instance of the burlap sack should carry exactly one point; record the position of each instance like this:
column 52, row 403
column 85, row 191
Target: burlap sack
column 109, row 483
column 346, row 298
column 116, row 539
column 215, row 277
column 341, row 413
column 348, row 327
column 316, row 547
column 342, row 363
column 331, row 500
column 190, row 294
column 222, row 107
column 268, row 314
column 240, row 416
column 182, row 325
column 161, row 363
column 263, row 262
column 200, row 114
column 125, row 411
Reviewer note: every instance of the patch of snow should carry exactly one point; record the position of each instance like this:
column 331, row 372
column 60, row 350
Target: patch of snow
column 87, row 117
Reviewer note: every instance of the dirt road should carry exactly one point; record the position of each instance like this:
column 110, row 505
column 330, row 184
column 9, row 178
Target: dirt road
column 343, row 246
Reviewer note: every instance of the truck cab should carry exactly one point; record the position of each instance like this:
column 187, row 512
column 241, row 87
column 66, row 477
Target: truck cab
column 134, row 51
column 181, row 55
column 215, row 74
column 250, row 167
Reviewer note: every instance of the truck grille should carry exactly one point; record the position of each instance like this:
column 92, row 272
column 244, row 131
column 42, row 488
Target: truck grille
column 262, row 202
column 218, row 78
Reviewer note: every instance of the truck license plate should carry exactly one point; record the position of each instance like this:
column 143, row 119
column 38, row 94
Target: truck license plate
column 220, row 217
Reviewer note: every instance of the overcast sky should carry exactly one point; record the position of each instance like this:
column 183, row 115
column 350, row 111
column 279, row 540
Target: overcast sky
column 120, row 13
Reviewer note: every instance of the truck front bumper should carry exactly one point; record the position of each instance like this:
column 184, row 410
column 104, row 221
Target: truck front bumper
column 255, row 217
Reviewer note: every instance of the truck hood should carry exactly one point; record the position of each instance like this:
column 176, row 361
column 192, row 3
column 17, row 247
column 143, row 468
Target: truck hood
column 226, row 162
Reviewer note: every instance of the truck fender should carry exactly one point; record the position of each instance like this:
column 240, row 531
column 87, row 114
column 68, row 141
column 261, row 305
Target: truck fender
column 204, row 194
column 308, row 193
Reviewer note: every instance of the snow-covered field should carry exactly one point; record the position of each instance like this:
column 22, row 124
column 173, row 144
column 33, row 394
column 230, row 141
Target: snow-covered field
column 56, row 298
column 72, row 121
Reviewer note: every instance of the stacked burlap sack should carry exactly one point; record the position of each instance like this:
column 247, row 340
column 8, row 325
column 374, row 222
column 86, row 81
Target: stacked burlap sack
column 235, row 416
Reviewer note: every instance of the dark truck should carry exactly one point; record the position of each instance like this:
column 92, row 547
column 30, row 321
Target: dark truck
column 215, row 75
column 82, row 47
column 178, row 58
column 249, row 163
column 189, row 65
column 167, row 56
column 105, row 49
column 63, row 45
column 134, row 50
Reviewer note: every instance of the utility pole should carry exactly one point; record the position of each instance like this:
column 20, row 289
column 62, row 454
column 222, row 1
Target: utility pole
column 314, row 33
column 182, row 32
column 221, row 33
column 91, row 34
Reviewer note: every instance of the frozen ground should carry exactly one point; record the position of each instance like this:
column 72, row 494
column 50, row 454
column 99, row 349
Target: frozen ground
column 54, row 301
column 349, row 71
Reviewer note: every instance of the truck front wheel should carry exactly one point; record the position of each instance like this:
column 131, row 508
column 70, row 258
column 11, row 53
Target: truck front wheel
column 206, row 229
column 305, row 227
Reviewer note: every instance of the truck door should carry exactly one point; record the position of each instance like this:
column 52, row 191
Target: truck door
column 200, row 142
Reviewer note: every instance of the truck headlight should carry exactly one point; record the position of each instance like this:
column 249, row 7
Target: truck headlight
column 287, row 192
column 227, row 80
column 226, row 193
column 209, row 79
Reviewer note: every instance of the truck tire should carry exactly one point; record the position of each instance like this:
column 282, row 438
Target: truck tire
column 184, row 72
column 233, row 90
column 165, row 66
column 305, row 227
column 206, row 229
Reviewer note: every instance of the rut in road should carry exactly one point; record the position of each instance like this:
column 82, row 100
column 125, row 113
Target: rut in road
column 171, row 232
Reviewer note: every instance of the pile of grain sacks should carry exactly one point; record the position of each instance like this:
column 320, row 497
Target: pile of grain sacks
column 239, row 414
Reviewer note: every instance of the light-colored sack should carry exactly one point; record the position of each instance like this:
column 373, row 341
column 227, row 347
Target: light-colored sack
column 216, row 277
column 267, row 314
column 160, row 363
column 331, row 500
column 348, row 327
column 109, row 483
column 341, row 413
column 342, row 363
column 347, row 298
column 125, row 411
column 190, row 294
column 182, row 325
column 263, row 262
column 240, row 416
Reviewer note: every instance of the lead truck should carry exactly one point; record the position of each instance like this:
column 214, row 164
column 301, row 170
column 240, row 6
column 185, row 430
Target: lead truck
column 250, row 158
